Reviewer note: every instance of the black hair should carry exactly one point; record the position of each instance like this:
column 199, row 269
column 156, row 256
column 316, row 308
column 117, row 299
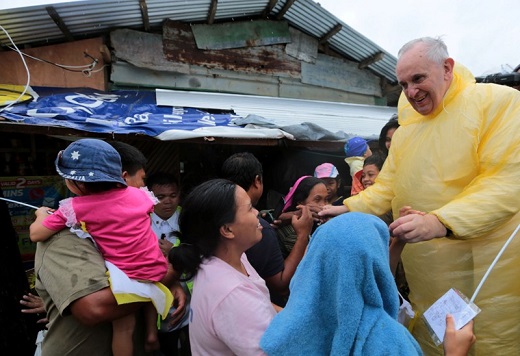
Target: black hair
column 161, row 178
column 205, row 210
column 377, row 159
column 95, row 187
column 302, row 191
column 242, row 169
column 132, row 160
column 391, row 124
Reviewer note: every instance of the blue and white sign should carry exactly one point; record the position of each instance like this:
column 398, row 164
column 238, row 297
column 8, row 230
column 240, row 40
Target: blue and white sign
column 119, row 112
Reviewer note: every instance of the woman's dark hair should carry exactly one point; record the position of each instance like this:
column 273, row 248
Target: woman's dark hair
column 303, row 190
column 377, row 159
column 391, row 124
column 207, row 207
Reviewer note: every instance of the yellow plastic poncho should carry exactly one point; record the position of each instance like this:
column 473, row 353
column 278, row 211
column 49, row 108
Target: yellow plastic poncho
column 461, row 163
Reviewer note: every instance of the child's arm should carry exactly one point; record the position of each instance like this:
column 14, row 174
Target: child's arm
column 396, row 248
column 38, row 232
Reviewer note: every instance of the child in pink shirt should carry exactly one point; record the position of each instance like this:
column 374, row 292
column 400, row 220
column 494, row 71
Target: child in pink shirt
column 117, row 219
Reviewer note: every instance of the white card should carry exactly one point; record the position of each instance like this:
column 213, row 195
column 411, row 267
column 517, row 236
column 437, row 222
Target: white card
column 452, row 302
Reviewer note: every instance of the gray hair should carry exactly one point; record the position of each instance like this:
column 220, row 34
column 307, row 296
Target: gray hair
column 436, row 50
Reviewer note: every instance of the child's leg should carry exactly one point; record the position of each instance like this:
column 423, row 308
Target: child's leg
column 152, row 340
column 123, row 331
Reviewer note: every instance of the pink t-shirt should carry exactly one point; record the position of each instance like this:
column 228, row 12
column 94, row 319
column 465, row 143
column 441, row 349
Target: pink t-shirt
column 229, row 311
column 119, row 222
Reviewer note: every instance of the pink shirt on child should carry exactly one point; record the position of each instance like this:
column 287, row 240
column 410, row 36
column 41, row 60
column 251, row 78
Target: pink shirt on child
column 119, row 222
column 229, row 310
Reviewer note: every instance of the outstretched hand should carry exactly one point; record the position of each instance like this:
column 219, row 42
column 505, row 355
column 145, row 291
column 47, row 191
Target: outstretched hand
column 458, row 342
column 329, row 211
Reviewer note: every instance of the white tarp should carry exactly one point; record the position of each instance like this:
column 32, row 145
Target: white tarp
column 344, row 120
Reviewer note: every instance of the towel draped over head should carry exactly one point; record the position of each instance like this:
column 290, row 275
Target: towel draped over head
column 343, row 296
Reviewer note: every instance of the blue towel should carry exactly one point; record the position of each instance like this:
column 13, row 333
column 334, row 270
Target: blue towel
column 343, row 296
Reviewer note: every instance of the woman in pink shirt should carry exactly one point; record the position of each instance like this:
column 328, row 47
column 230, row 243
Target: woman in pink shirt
column 117, row 219
column 230, row 305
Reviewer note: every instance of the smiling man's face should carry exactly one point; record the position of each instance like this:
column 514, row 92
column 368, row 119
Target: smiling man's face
column 424, row 82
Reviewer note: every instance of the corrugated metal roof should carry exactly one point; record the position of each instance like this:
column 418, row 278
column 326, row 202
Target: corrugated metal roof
column 33, row 25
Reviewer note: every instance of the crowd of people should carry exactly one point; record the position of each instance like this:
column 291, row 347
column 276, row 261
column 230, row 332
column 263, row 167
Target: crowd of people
column 328, row 274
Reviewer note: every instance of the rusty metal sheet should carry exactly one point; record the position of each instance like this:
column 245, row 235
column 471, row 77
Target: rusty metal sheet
column 179, row 46
column 241, row 34
column 143, row 50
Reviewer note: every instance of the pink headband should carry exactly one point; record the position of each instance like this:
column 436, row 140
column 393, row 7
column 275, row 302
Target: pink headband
column 289, row 197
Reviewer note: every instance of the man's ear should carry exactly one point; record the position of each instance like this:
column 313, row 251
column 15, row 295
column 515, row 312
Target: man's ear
column 226, row 232
column 449, row 63
column 125, row 175
column 258, row 181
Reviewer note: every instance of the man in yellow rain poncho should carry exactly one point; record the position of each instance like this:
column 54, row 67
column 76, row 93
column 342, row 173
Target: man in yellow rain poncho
column 456, row 156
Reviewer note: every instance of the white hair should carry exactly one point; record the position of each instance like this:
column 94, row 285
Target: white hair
column 436, row 50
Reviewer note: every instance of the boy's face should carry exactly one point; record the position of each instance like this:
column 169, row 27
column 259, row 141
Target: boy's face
column 136, row 180
column 168, row 196
column 370, row 173
column 332, row 187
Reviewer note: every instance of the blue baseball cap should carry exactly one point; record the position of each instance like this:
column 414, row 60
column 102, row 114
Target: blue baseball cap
column 90, row 160
column 356, row 146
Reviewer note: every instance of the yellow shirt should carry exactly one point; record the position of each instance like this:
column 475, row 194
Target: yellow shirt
column 461, row 163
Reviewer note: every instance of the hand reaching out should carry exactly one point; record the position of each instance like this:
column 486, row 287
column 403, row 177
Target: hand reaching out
column 458, row 342
column 329, row 211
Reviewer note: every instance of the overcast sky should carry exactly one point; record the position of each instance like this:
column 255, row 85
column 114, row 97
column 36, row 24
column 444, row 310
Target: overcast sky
column 483, row 35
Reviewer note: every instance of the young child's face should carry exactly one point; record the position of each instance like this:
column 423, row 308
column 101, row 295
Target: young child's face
column 136, row 180
column 370, row 173
column 168, row 196
column 332, row 188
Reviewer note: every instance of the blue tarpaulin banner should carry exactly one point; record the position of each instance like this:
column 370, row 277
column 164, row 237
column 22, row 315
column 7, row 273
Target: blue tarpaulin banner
column 119, row 112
